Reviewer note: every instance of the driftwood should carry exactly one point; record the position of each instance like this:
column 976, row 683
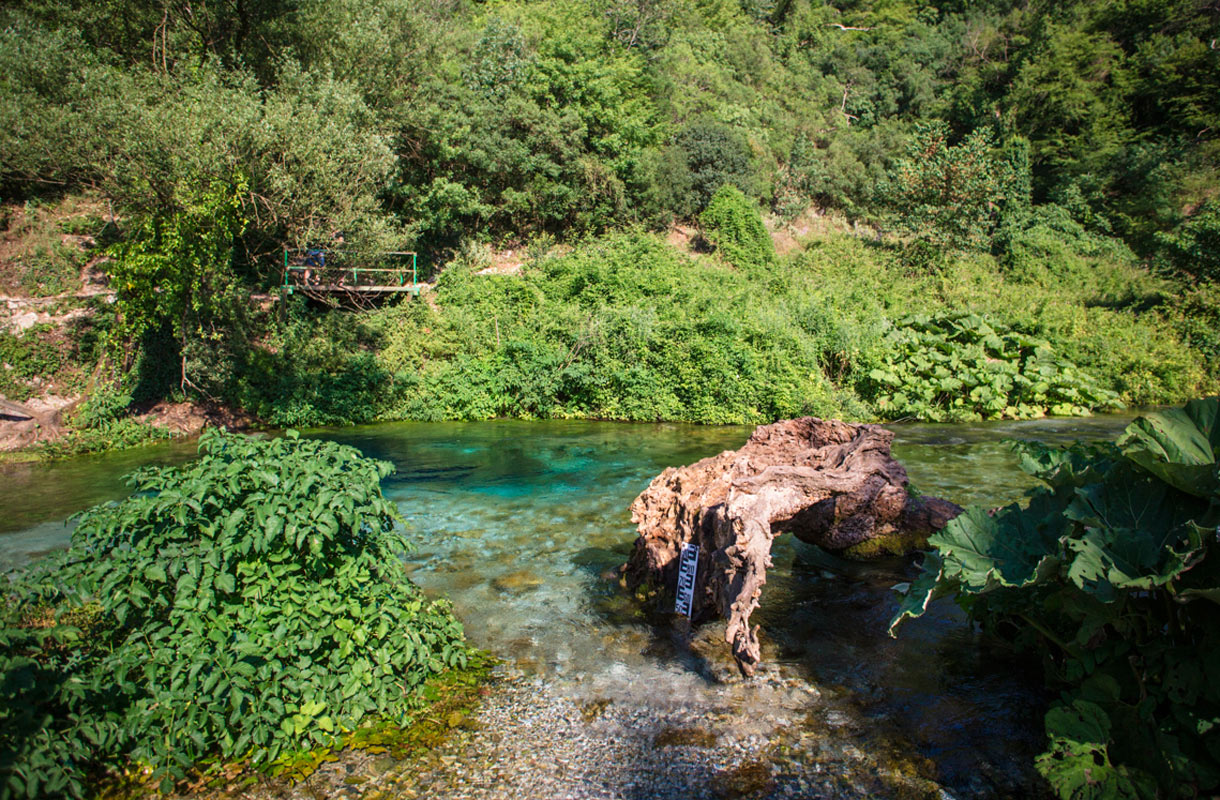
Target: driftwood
column 10, row 408
column 833, row 484
column 22, row 426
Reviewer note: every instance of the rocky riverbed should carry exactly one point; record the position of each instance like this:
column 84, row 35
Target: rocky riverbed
column 773, row 736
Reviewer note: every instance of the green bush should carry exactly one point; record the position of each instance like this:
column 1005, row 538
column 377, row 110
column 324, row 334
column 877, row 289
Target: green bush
column 960, row 366
column 705, row 156
column 1194, row 248
column 1112, row 575
column 625, row 327
column 1047, row 238
column 951, row 195
column 732, row 223
column 25, row 357
column 313, row 369
column 249, row 605
column 1196, row 313
column 1105, row 317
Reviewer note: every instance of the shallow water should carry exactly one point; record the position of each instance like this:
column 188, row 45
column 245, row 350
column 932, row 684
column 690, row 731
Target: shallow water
column 522, row 524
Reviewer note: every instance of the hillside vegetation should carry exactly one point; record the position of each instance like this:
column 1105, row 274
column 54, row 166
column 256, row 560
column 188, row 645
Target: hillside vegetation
column 1025, row 196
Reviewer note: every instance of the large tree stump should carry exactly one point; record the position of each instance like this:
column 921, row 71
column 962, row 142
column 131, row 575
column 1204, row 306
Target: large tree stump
column 832, row 484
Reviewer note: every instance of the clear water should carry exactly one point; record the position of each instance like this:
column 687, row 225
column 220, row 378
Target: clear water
column 523, row 525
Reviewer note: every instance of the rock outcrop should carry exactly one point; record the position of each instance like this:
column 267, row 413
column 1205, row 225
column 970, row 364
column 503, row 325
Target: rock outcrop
column 830, row 483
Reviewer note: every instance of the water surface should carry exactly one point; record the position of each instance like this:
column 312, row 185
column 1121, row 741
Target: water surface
column 523, row 524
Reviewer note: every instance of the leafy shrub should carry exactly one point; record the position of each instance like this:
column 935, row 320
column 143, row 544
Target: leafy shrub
column 315, row 370
column 1194, row 248
column 952, row 194
column 704, row 156
column 960, row 366
column 25, row 357
column 106, row 403
column 1111, row 572
column 732, row 223
column 1048, row 238
column 623, row 328
column 1196, row 313
column 250, row 605
column 176, row 267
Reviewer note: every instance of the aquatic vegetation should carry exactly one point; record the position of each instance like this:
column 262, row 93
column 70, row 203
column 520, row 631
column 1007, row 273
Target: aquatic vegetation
column 246, row 606
column 1112, row 572
column 962, row 366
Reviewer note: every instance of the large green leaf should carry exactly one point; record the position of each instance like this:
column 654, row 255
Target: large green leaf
column 1016, row 547
column 1061, row 467
column 1179, row 446
column 1078, row 762
column 1138, row 534
column 923, row 590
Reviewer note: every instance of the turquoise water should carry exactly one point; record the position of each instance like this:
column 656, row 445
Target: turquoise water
column 523, row 525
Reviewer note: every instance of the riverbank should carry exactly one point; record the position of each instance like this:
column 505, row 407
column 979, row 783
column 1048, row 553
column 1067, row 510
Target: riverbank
column 639, row 327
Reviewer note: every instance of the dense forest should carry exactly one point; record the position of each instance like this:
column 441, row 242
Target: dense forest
column 718, row 211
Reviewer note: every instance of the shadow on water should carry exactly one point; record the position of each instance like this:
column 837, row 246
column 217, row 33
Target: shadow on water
column 969, row 705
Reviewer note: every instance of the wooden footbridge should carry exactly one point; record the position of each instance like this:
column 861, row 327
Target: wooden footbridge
column 329, row 275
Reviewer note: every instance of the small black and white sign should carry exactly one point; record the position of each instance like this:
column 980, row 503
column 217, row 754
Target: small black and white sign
column 687, row 566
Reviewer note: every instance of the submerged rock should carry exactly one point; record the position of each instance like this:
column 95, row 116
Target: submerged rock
column 832, row 484
column 517, row 582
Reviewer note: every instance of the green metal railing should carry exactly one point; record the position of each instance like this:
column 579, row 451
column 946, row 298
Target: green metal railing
column 317, row 275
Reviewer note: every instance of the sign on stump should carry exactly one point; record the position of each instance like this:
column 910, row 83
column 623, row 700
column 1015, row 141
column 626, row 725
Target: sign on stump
column 687, row 566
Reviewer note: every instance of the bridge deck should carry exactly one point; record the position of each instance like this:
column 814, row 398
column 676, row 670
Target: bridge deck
column 337, row 287
column 318, row 271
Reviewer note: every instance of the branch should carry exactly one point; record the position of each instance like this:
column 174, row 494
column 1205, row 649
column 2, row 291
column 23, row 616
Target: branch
column 843, row 27
column 843, row 105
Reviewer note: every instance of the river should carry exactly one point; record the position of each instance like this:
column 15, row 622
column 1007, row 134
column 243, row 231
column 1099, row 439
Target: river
column 522, row 525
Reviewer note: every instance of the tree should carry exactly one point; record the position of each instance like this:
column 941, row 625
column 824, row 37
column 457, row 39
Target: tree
column 953, row 195
column 175, row 268
column 705, row 156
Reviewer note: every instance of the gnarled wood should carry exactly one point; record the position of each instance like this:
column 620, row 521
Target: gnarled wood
column 833, row 484
column 16, row 409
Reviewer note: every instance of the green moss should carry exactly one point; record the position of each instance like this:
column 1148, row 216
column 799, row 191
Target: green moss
column 894, row 544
